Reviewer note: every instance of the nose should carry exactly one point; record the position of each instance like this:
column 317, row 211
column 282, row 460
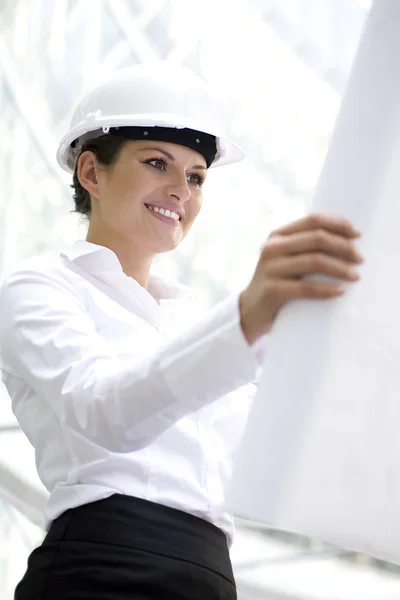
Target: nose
column 179, row 188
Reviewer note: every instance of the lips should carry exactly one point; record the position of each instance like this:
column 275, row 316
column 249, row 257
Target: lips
column 172, row 219
column 168, row 206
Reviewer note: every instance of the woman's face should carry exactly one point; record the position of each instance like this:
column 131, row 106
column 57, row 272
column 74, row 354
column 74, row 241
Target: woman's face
column 147, row 177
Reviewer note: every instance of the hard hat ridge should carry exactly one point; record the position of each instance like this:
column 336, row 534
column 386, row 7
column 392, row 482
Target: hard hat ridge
column 161, row 96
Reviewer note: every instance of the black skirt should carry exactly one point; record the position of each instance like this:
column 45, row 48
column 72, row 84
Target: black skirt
column 126, row 548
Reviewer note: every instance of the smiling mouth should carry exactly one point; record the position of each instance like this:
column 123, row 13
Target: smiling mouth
column 162, row 212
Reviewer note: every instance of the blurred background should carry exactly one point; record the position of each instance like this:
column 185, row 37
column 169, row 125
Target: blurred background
column 280, row 68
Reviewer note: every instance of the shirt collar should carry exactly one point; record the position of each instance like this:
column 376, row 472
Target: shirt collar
column 97, row 259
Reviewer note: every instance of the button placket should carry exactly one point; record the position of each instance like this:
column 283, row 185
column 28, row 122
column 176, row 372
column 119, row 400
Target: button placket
column 211, row 464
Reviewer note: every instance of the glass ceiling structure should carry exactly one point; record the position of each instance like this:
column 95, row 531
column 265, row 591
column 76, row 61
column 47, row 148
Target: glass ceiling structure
column 279, row 68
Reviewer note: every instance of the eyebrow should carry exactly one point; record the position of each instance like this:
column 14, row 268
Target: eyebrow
column 170, row 157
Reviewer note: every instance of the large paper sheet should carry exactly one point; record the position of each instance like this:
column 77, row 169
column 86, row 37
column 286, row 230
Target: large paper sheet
column 321, row 453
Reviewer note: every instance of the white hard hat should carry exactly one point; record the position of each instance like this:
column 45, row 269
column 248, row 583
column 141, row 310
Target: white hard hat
column 160, row 94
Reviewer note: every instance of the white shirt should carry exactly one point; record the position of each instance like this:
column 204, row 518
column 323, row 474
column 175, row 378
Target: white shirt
column 119, row 392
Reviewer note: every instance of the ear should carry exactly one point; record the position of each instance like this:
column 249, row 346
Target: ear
column 87, row 172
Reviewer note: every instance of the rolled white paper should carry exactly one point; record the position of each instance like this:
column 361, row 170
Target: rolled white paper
column 321, row 452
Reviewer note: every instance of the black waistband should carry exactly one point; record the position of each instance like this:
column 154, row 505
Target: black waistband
column 137, row 523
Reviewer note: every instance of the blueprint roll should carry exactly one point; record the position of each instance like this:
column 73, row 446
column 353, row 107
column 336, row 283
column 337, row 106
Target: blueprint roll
column 321, row 452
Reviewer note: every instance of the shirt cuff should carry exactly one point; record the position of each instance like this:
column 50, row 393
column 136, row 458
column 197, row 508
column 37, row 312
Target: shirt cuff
column 259, row 349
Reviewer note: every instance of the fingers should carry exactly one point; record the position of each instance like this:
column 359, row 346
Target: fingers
column 293, row 289
column 318, row 244
column 311, row 263
column 334, row 224
column 312, row 241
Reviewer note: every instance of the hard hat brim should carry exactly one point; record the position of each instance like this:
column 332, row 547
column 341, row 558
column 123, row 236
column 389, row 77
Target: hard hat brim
column 227, row 151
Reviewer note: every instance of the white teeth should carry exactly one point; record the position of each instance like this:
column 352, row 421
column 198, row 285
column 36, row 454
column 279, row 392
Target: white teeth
column 167, row 213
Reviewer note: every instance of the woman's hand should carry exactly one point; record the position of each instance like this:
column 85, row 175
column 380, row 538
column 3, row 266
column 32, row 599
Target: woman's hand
column 316, row 244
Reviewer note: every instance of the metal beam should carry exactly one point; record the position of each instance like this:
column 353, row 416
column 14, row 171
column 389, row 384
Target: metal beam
column 9, row 429
column 137, row 40
column 28, row 107
column 22, row 494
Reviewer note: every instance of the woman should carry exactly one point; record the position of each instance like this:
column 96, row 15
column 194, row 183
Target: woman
column 134, row 409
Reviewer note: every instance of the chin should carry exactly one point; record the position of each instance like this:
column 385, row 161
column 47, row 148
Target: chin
column 167, row 247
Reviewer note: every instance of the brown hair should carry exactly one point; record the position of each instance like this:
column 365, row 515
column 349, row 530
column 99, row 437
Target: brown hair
column 106, row 149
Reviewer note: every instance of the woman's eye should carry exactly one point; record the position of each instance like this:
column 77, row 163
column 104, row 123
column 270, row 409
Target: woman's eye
column 158, row 163
column 161, row 164
column 195, row 179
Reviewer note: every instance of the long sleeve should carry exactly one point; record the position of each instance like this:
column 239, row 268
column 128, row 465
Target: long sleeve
column 48, row 339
